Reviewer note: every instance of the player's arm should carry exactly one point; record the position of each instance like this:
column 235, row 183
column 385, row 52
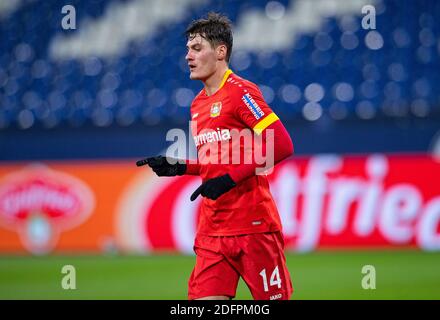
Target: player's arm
column 282, row 148
column 192, row 168
column 254, row 112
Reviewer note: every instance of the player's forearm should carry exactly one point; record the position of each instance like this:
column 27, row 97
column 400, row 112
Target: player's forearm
column 283, row 148
column 192, row 168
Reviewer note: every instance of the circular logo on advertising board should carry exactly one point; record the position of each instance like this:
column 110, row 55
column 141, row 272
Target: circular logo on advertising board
column 40, row 203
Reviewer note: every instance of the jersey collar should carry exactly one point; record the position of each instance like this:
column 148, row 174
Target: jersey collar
column 225, row 77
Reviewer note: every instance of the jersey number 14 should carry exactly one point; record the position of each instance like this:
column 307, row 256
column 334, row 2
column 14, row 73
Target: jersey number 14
column 274, row 279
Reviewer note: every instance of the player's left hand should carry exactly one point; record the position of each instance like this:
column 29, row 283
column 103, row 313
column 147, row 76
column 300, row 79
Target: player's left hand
column 214, row 188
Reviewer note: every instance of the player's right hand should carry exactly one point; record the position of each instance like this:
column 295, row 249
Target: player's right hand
column 164, row 166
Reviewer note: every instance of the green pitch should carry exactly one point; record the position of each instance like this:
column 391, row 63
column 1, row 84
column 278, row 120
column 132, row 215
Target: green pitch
column 319, row 275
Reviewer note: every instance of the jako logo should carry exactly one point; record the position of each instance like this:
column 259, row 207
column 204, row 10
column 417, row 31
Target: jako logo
column 276, row 296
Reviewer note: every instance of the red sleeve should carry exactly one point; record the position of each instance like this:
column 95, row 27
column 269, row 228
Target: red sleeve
column 251, row 108
column 192, row 168
column 283, row 148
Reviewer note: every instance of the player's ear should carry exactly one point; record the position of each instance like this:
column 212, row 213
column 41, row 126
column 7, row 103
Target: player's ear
column 221, row 52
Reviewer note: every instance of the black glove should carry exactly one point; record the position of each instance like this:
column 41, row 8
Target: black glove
column 214, row 188
column 162, row 167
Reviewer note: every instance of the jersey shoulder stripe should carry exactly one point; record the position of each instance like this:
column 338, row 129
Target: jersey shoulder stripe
column 263, row 124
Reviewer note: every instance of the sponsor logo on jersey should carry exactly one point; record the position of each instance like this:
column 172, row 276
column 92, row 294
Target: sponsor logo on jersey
column 215, row 109
column 253, row 106
column 276, row 296
column 195, row 115
column 212, row 136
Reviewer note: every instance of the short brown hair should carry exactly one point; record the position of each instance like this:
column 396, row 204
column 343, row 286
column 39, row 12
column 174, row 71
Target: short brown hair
column 216, row 29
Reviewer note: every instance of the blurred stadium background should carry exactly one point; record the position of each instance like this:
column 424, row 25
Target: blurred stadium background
column 79, row 106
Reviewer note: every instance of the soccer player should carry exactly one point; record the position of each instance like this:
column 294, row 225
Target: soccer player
column 239, row 228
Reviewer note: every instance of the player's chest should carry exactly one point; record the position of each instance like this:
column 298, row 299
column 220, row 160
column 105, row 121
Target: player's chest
column 213, row 114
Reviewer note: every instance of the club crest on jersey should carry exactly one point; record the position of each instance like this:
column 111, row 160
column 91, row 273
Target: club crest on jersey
column 215, row 109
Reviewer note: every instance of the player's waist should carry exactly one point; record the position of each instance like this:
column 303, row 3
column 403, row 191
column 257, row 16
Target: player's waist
column 262, row 217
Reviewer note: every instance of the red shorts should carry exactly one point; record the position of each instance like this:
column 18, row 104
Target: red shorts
column 258, row 258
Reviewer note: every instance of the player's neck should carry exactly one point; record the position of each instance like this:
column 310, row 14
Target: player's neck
column 212, row 84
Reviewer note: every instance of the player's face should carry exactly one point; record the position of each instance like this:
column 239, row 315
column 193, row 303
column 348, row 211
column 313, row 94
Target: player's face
column 201, row 58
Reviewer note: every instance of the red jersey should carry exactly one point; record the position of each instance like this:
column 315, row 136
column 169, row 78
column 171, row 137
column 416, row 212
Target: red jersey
column 248, row 207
